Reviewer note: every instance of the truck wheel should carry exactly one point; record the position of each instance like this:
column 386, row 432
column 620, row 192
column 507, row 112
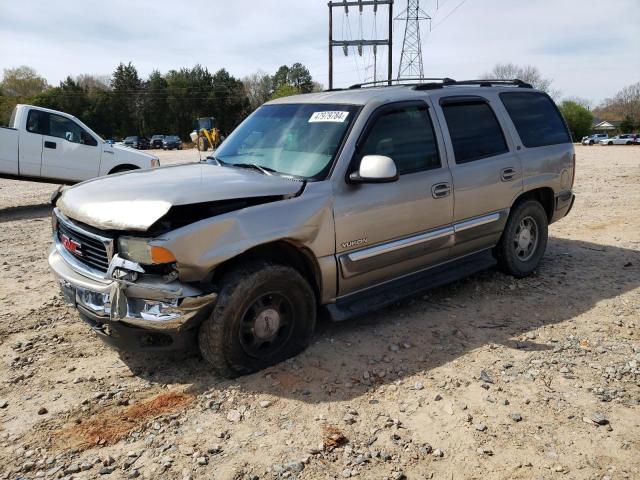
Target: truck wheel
column 203, row 144
column 524, row 240
column 264, row 314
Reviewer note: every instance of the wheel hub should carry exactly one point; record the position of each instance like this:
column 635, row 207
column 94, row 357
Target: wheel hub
column 524, row 239
column 267, row 323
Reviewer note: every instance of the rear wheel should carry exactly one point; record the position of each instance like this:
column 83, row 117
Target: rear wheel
column 628, row 143
column 524, row 239
column 590, row 142
column 264, row 314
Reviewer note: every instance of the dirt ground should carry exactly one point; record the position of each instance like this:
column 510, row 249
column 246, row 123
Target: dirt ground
column 487, row 378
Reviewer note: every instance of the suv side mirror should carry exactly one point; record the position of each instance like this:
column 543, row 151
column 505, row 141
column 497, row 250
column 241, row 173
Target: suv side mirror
column 375, row 169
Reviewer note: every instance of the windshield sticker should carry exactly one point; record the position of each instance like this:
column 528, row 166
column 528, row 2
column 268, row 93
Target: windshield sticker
column 328, row 117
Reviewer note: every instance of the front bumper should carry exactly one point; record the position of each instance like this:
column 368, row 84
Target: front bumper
column 149, row 314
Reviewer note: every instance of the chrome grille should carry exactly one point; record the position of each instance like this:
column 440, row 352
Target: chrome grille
column 93, row 251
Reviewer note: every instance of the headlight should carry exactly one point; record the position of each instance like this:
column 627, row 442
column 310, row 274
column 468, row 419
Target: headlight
column 138, row 250
column 155, row 162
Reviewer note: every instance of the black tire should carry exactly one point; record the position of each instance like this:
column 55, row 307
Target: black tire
column 230, row 339
column 512, row 257
column 610, row 143
column 590, row 142
column 628, row 143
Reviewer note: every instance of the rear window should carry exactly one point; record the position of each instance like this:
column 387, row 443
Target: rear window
column 536, row 118
column 474, row 130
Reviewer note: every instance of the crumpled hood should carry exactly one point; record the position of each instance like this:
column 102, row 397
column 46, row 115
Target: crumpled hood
column 136, row 200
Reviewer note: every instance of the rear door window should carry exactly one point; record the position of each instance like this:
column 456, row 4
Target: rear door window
column 474, row 130
column 536, row 118
column 38, row 122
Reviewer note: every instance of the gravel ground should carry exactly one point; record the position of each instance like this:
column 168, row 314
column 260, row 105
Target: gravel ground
column 490, row 377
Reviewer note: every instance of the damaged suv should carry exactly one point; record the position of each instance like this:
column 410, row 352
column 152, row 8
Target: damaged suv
column 343, row 200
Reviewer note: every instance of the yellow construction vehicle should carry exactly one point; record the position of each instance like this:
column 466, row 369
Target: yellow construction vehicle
column 205, row 134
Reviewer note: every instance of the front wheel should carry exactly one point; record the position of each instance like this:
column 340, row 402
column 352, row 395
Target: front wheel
column 591, row 142
column 264, row 314
column 610, row 143
column 523, row 240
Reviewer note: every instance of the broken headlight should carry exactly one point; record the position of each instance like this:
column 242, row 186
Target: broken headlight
column 139, row 250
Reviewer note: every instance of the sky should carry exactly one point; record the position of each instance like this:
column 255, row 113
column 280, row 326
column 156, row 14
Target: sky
column 591, row 49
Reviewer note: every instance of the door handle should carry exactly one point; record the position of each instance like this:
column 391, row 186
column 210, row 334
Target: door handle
column 440, row 190
column 508, row 174
column 50, row 145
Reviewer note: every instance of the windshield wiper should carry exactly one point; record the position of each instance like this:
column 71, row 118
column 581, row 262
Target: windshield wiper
column 255, row 166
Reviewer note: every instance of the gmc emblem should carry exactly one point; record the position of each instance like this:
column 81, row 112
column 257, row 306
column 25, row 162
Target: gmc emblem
column 71, row 245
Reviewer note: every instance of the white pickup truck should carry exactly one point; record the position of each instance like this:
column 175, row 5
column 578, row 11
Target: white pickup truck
column 49, row 146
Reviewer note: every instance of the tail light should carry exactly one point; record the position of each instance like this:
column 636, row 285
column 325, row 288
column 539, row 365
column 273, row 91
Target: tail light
column 573, row 175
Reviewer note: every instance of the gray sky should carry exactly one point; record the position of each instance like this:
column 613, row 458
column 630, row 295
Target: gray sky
column 589, row 48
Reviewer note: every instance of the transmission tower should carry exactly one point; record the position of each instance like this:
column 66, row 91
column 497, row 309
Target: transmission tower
column 411, row 56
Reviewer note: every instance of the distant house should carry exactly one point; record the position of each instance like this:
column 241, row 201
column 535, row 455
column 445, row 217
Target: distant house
column 604, row 126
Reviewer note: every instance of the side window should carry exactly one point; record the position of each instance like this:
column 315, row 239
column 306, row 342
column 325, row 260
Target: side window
column 474, row 130
column 536, row 118
column 406, row 135
column 38, row 122
column 63, row 127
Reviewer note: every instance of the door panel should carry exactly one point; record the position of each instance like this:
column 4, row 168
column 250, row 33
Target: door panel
column 388, row 230
column 486, row 171
column 68, row 160
column 69, row 153
column 30, row 152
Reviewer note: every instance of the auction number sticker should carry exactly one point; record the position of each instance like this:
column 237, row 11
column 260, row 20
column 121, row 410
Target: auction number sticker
column 328, row 117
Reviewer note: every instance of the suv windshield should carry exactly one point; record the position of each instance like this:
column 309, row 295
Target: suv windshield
column 292, row 139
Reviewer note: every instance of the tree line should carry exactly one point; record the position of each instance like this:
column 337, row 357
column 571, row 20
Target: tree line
column 125, row 104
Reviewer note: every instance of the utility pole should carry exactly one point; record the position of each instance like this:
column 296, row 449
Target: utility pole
column 374, row 42
column 411, row 57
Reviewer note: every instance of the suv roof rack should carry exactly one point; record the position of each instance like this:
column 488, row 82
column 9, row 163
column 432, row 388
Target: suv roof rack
column 400, row 81
column 422, row 83
column 494, row 81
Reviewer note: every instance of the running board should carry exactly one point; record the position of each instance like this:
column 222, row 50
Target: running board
column 388, row 293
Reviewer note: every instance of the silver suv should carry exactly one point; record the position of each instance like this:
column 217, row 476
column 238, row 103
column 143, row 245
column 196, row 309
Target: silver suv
column 343, row 200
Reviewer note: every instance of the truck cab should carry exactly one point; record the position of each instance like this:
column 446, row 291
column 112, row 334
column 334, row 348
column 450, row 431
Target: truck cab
column 46, row 145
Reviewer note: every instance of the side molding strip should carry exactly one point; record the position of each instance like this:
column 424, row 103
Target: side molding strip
column 476, row 222
column 399, row 244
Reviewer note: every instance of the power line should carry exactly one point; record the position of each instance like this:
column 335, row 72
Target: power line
column 449, row 14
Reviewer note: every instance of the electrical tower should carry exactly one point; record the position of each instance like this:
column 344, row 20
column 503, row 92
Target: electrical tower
column 361, row 42
column 411, row 56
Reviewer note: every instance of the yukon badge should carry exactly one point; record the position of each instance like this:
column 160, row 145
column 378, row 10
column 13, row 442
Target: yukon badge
column 354, row 243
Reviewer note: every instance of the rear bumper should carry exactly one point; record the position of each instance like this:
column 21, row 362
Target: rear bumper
column 563, row 205
column 133, row 316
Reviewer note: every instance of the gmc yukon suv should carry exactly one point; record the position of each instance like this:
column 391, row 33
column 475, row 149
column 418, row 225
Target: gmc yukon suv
column 343, row 200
